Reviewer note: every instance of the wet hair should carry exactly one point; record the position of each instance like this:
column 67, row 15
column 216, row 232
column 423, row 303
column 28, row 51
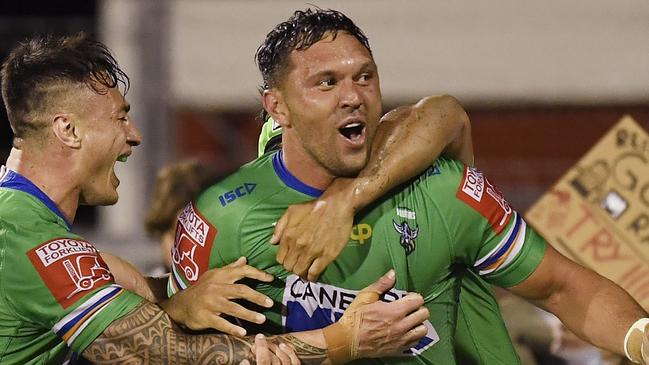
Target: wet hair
column 43, row 71
column 303, row 29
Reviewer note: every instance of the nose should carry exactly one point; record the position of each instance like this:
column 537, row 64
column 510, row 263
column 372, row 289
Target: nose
column 133, row 134
column 350, row 95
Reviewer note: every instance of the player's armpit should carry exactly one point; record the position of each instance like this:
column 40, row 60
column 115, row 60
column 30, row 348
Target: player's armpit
column 591, row 306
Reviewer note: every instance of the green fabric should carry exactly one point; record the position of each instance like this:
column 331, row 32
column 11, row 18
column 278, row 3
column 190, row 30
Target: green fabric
column 29, row 312
column 269, row 130
column 451, row 237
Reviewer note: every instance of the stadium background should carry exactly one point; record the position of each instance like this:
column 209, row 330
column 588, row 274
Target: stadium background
column 541, row 81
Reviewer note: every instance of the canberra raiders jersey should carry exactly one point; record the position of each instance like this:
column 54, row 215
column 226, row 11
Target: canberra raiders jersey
column 56, row 293
column 434, row 229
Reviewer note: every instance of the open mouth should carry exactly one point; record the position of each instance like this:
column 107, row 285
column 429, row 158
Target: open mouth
column 352, row 131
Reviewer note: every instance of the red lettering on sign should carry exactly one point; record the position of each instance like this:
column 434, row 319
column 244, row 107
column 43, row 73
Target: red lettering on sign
column 604, row 247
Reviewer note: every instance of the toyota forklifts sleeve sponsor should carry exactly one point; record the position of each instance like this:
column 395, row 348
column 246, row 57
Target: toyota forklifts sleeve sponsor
column 478, row 192
column 69, row 268
column 191, row 252
column 313, row 305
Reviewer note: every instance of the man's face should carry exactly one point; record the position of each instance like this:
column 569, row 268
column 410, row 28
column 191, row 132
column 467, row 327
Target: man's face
column 107, row 133
column 333, row 99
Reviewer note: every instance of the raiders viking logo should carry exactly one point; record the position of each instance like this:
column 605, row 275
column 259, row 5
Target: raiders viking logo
column 408, row 235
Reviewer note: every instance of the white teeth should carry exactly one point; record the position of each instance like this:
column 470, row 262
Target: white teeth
column 352, row 125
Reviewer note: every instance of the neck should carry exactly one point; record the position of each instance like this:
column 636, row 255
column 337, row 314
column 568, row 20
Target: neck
column 48, row 172
column 303, row 166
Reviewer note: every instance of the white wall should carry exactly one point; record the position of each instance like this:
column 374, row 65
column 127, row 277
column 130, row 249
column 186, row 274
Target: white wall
column 582, row 51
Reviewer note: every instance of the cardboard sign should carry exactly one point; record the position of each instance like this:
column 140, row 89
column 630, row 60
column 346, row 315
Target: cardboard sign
column 598, row 212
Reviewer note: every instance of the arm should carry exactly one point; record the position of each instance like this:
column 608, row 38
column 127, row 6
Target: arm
column 200, row 306
column 408, row 140
column 591, row 306
column 370, row 328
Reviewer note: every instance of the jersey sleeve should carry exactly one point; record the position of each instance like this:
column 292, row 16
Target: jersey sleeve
column 203, row 235
column 487, row 235
column 62, row 284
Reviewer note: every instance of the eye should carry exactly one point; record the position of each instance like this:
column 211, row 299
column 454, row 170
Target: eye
column 365, row 78
column 327, row 83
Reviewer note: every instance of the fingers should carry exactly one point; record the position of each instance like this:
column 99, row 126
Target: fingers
column 240, row 262
column 220, row 324
column 279, row 229
column 407, row 304
column 413, row 320
column 250, row 272
column 317, row 267
column 412, row 337
column 385, row 283
column 290, row 352
column 263, row 355
column 238, row 311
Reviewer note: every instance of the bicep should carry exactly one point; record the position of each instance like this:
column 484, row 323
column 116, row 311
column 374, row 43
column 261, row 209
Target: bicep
column 552, row 274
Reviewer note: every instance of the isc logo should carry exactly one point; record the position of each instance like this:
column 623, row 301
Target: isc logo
column 242, row 190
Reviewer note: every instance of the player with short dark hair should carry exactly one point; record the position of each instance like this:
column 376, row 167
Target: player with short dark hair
column 446, row 221
column 59, row 298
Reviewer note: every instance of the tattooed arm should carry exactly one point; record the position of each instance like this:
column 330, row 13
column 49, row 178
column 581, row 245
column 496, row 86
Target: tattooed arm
column 148, row 334
column 373, row 329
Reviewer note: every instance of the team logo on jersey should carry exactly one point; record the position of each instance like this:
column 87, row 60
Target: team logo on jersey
column 314, row 305
column 408, row 235
column 69, row 268
column 191, row 251
column 478, row 192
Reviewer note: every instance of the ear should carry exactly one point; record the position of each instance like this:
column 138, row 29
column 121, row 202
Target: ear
column 273, row 101
column 66, row 131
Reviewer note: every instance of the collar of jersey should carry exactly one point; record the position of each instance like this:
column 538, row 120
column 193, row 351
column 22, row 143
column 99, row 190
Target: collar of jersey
column 290, row 180
column 13, row 180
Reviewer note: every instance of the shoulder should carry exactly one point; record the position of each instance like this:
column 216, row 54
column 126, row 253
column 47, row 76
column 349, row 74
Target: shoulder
column 237, row 194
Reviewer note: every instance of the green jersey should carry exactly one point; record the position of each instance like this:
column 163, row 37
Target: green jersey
column 434, row 230
column 56, row 293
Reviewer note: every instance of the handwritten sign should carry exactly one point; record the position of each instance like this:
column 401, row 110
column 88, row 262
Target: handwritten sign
column 598, row 212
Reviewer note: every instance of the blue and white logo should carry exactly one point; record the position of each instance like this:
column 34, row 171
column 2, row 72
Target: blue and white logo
column 408, row 235
column 313, row 305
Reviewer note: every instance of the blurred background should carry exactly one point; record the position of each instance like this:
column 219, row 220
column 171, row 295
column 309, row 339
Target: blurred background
column 541, row 80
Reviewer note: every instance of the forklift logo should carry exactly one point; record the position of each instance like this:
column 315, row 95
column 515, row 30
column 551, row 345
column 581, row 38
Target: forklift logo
column 69, row 268
column 85, row 273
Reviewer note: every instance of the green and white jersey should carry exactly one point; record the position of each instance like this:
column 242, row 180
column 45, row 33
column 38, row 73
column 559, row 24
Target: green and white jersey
column 433, row 231
column 56, row 293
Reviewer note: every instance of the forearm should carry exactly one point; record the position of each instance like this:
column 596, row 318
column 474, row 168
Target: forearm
column 591, row 306
column 130, row 278
column 408, row 140
column 149, row 335
column 595, row 309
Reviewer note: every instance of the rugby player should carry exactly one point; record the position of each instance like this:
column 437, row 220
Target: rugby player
column 59, row 299
column 321, row 85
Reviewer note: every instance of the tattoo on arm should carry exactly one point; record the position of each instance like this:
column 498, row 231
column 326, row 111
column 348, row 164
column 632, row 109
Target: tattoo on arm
column 148, row 335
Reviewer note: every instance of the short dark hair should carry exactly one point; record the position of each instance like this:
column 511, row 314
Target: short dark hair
column 303, row 29
column 45, row 68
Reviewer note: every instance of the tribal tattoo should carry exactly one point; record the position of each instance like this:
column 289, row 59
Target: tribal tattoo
column 147, row 335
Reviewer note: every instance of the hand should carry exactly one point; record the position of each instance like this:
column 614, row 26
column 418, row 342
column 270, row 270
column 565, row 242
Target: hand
column 312, row 234
column 267, row 353
column 371, row 328
column 200, row 306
